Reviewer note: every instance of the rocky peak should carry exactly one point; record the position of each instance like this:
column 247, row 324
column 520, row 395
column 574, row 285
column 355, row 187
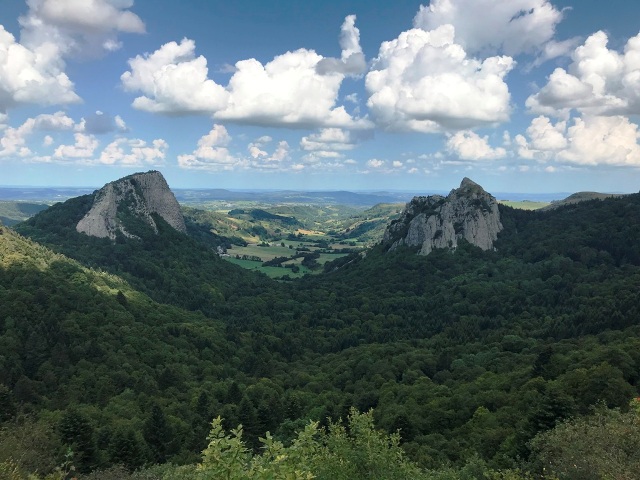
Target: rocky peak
column 440, row 222
column 140, row 195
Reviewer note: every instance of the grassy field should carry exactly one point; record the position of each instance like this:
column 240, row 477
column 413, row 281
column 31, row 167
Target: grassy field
column 273, row 272
column 524, row 204
column 277, row 250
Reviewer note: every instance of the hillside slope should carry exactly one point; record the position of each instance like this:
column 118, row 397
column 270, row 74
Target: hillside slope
column 470, row 353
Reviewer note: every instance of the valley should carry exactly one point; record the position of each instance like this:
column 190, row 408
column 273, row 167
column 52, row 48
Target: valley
column 479, row 355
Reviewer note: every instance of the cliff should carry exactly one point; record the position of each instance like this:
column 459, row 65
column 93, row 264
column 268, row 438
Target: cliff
column 139, row 195
column 435, row 221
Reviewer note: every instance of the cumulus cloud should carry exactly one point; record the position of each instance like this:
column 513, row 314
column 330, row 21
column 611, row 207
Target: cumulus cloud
column 599, row 81
column 375, row 163
column 173, row 81
column 51, row 122
column 32, row 75
column 590, row 140
column 255, row 151
column 281, row 153
column 468, row 145
column 423, row 81
column 287, row 91
column 33, row 69
column 134, row 152
column 602, row 141
column 508, row 26
column 352, row 61
column 262, row 158
column 13, row 141
column 79, row 27
column 211, row 153
column 545, row 135
column 330, row 139
column 83, row 147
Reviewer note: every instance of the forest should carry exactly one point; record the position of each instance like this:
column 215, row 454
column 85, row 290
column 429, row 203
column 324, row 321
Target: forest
column 140, row 358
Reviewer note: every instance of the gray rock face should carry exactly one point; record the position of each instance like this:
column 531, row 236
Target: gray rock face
column 140, row 194
column 439, row 222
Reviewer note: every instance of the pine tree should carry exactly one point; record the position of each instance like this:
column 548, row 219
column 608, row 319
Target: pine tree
column 157, row 434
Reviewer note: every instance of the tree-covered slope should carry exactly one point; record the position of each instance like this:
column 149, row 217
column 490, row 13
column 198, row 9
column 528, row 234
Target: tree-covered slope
column 468, row 353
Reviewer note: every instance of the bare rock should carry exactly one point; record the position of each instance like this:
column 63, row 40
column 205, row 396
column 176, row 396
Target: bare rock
column 440, row 222
column 140, row 195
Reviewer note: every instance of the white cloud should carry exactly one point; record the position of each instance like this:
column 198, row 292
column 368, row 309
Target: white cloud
column 174, row 81
column 352, row 61
column 255, row 151
column 424, row 81
column 13, row 141
column 375, row 163
column 263, row 139
column 599, row 81
column 352, row 97
column 78, row 27
column 329, row 139
column 281, row 153
column 84, row 147
column 509, row 26
column 211, row 153
column 287, row 91
column 468, row 145
column 602, row 141
column 590, row 140
column 262, row 159
column 55, row 121
column 48, row 141
column 32, row 75
column 134, row 152
column 544, row 135
column 121, row 126
column 397, row 164
column 33, row 70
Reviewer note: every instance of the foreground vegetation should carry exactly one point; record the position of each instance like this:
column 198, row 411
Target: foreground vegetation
column 125, row 354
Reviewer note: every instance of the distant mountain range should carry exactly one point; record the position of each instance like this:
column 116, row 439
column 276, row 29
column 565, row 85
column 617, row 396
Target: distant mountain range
column 196, row 195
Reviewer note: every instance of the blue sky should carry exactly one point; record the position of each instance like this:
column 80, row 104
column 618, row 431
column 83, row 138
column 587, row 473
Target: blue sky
column 519, row 95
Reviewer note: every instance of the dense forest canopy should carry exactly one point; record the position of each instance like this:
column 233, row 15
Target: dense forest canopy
column 123, row 352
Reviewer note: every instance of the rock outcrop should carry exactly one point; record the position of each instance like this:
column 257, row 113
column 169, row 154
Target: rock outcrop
column 139, row 195
column 433, row 222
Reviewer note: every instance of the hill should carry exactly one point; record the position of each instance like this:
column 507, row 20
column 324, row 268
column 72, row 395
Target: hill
column 469, row 352
column 581, row 197
column 16, row 212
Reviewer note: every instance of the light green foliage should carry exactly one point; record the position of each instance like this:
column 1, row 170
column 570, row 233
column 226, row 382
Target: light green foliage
column 604, row 445
column 226, row 456
column 352, row 452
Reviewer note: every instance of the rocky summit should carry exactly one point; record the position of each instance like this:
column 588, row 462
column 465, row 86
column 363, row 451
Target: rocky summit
column 139, row 195
column 435, row 221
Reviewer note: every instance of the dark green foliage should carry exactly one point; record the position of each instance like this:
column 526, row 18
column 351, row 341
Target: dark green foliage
column 158, row 435
column 469, row 354
column 126, row 449
column 76, row 433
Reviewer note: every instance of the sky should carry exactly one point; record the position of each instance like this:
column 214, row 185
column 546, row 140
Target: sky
column 529, row 96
